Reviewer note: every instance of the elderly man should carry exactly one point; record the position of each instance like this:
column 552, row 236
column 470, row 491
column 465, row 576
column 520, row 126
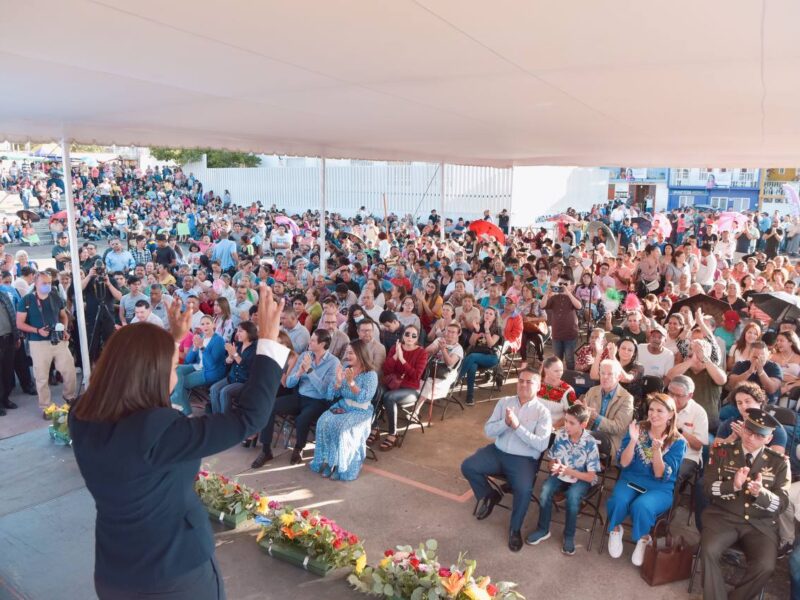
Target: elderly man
column 748, row 484
column 610, row 405
column 521, row 426
column 654, row 357
column 297, row 333
column 339, row 339
column 692, row 422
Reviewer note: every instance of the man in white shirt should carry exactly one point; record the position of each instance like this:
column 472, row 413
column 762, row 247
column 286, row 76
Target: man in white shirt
column 458, row 275
column 521, row 427
column 692, row 422
column 368, row 304
column 725, row 246
column 707, row 267
column 143, row 314
column 653, row 356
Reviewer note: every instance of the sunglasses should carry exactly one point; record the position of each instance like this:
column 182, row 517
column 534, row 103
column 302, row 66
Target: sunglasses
column 410, row 335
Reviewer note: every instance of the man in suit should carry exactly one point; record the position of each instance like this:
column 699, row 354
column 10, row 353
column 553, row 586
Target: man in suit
column 610, row 405
column 9, row 342
column 748, row 484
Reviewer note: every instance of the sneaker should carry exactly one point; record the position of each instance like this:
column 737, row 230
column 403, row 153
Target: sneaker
column 537, row 536
column 469, row 401
column 569, row 547
column 615, row 543
column 638, row 554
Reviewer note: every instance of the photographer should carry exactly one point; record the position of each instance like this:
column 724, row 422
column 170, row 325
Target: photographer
column 562, row 314
column 43, row 317
column 99, row 295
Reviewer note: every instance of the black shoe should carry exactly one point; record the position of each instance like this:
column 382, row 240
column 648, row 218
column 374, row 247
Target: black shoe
column 297, row 457
column 262, row 458
column 10, row 404
column 515, row 541
column 2, row 412
column 469, row 401
column 31, row 391
column 486, row 506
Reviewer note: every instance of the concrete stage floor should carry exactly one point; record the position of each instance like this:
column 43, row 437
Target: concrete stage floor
column 411, row 494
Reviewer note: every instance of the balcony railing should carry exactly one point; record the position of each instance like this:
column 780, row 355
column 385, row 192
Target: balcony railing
column 698, row 178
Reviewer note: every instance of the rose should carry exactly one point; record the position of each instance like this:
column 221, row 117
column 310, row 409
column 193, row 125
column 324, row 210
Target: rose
column 414, row 562
column 337, row 543
column 389, row 553
column 491, row 589
column 443, row 572
column 304, row 514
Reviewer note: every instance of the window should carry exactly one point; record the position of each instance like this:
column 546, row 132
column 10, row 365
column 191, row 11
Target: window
column 684, row 173
column 740, row 204
column 684, row 201
column 781, row 171
column 718, row 202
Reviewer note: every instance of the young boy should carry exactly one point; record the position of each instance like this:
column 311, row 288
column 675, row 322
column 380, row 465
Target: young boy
column 574, row 468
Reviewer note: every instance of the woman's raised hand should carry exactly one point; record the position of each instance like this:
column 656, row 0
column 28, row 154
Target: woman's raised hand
column 179, row 322
column 269, row 314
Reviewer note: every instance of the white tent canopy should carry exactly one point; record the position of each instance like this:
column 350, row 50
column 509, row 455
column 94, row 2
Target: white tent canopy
column 461, row 81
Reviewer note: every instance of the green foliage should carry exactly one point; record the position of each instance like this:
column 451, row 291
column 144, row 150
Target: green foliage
column 215, row 159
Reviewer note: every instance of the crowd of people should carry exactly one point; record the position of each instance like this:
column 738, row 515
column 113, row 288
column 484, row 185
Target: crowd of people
column 646, row 342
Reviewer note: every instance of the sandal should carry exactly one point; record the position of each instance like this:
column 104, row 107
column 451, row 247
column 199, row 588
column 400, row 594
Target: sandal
column 387, row 443
column 373, row 437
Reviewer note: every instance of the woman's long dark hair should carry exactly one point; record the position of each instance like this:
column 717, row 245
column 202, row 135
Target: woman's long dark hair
column 132, row 375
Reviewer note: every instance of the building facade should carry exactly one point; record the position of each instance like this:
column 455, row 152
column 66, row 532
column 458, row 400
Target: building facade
column 646, row 189
column 721, row 189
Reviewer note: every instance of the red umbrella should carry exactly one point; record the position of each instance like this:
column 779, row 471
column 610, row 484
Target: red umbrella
column 486, row 228
column 58, row 216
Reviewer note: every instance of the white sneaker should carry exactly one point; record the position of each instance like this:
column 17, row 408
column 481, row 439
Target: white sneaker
column 638, row 554
column 615, row 543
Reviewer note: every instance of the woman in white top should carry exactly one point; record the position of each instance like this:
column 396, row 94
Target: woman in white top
column 787, row 355
column 740, row 351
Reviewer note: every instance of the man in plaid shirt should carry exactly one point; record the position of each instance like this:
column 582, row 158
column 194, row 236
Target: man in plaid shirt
column 140, row 253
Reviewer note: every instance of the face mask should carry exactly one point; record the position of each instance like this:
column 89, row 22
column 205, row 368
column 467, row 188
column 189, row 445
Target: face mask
column 44, row 288
column 358, row 319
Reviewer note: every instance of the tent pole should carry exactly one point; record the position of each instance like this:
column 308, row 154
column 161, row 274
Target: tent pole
column 322, row 224
column 441, row 201
column 75, row 263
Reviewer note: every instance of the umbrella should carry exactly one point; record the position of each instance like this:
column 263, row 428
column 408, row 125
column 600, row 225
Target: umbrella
column 611, row 240
column 731, row 221
column 778, row 305
column 352, row 237
column 283, row 220
column 662, row 225
column 486, row 228
column 711, row 306
column 29, row 215
column 565, row 219
column 642, row 224
column 58, row 216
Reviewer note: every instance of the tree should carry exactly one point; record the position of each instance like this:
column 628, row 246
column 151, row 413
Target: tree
column 215, row 159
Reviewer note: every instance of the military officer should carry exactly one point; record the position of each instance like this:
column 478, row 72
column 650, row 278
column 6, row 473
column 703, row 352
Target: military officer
column 748, row 485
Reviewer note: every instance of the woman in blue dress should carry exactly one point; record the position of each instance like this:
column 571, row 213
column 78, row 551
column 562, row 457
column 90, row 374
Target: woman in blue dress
column 650, row 456
column 341, row 438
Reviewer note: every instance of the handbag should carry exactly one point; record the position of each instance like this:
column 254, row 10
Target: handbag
column 668, row 563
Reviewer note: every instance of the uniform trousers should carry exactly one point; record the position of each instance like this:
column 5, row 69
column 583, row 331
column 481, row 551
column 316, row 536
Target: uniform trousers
column 721, row 530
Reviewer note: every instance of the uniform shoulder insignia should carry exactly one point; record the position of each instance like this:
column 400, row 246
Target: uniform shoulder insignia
column 770, row 452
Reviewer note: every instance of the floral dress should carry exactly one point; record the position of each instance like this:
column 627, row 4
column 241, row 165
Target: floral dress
column 341, row 439
column 557, row 398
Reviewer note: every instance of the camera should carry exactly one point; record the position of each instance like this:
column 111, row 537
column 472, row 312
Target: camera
column 99, row 269
column 57, row 334
column 557, row 289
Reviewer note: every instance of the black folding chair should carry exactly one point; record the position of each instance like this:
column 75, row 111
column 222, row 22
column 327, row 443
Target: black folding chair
column 788, row 418
column 578, row 381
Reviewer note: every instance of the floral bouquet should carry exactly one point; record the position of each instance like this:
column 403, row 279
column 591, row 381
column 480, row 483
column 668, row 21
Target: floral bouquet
column 310, row 536
column 417, row 575
column 228, row 501
column 59, row 428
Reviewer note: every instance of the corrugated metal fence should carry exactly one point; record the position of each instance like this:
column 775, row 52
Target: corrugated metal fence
column 409, row 187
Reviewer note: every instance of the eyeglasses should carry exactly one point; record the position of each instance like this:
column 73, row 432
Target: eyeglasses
column 410, row 335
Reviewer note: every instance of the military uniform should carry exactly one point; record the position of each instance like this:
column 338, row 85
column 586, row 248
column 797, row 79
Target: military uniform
column 737, row 517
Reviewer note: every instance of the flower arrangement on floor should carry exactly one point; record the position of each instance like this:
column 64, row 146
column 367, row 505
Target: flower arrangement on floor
column 417, row 575
column 59, row 428
column 228, row 501
column 308, row 538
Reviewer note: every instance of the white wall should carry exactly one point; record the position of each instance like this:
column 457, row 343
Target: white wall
column 542, row 191
column 662, row 197
column 409, row 187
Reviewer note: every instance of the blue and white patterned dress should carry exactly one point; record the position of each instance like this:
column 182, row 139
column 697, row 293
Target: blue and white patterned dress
column 341, row 439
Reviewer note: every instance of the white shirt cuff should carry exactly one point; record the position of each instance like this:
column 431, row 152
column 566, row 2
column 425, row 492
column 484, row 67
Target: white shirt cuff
column 277, row 352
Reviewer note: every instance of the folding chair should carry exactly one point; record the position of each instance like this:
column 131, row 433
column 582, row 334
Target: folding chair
column 407, row 411
column 788, row 418
column 510, row 353
column 449, row 397
column 578, row 381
